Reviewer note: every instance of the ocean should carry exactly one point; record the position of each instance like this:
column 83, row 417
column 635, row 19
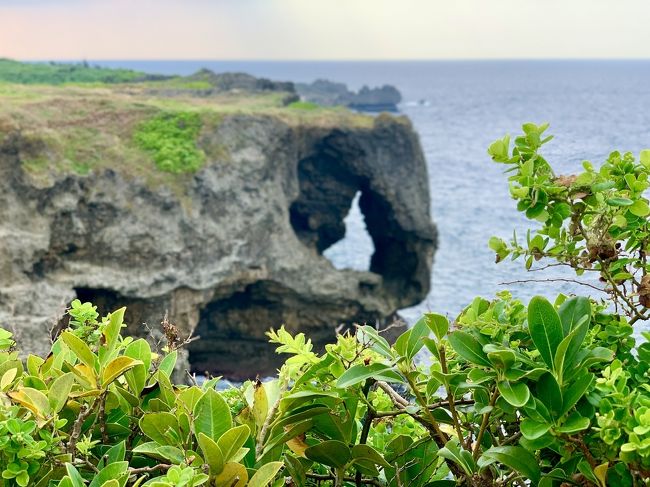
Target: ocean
column 458, row 108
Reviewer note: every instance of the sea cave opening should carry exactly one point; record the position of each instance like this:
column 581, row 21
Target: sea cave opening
column 354, row 251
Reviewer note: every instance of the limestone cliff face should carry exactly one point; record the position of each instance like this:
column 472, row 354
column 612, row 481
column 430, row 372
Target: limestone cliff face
column 236, row 252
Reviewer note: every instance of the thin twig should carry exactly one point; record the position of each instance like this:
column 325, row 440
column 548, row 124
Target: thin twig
column 553, row 279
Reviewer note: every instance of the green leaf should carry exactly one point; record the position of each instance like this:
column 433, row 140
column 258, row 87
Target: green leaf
column 452, row 451
column 619, row 202
column 233, row 475
column 545, row 328
column 162, row 427
column 160, row 452
column 137, row 377
column 332, row 453
column 211, row 453
column 79, row 348
column 576, row 390
column 168, row 363
column 573, row 424
column 438, row 324
column 568, row 348
column 296, row 470
column 500, row 359
column 639, row 208
column 359, row 373
column 112, row 330
column 516, row 394
column 265, row 474
column 549, row 393
column 212, row 415
column 232, row 440
column 366, row 452
column 115, row 471
column 415, row 343
column 368, row 335
column 116, row 453
column 532, row 430
column 572, row 311
column 518, row 459
column 468, row 347
column 644, row 158
column 76, row 480
column 59, row 391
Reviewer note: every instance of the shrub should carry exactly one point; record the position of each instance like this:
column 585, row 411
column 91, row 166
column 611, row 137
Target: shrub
column 171, row 139
column 548, row 394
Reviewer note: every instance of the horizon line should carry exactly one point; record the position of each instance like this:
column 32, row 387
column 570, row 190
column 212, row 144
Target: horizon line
column 329, row 60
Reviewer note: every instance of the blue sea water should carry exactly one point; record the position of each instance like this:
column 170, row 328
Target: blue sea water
column 458, row 109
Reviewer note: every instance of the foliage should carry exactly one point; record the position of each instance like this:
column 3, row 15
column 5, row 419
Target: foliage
column 171, row 139
column 304, row 105
column 60, row 73
column 545, row 394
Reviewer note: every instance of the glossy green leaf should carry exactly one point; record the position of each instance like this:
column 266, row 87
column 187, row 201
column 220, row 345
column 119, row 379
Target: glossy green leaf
column 532, row 430
column 572, row 311
column 212, row 415
column 332, row 453
column 518, row 459
column 360, row 372
column 545, row 328
column 619, row 202
column 114, row 471
column 162, row 427
column 438, row 324
column 468, row 347
column 549, row 393
column 574, row 424
column 232, row 440
column 452, row 451
column 60, row 391
column 265, row 474
column 211, row 453
column 516, row 394
column 366, row 452
column 79, row 348
column 576, row 390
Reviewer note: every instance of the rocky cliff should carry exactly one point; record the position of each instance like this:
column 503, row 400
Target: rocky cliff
column 329, row 93
column 229, row 250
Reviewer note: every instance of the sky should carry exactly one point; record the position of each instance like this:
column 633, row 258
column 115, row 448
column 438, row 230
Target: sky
column 323, row 29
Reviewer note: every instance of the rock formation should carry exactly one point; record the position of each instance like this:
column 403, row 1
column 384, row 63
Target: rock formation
column 229, row 251
column 329, row 93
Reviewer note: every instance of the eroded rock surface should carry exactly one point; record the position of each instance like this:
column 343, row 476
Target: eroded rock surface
column 238, row 252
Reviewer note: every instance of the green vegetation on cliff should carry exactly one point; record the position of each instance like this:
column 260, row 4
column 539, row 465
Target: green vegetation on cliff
column 171, row 139
column 60, row 73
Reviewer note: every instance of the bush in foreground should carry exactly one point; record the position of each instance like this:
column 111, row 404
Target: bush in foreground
column 549, row 394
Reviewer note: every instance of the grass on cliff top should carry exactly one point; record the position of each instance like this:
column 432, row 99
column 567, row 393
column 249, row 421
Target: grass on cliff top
column 60, row 73
column 137, row 131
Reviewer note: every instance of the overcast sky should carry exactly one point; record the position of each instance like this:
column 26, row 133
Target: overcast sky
column 324, row 29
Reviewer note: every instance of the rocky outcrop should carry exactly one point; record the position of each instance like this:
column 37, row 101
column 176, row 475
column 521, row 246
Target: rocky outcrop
column 329, row 93
column 238, row 251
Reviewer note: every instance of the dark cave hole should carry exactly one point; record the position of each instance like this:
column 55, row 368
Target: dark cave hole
column 232, row 331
